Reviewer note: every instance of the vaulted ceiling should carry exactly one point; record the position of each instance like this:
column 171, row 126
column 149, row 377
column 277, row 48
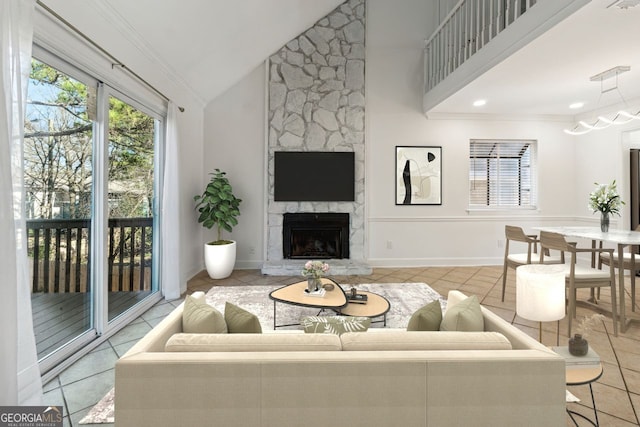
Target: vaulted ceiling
column 204, row 45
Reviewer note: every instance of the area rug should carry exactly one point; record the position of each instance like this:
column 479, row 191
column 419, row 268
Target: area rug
column 404, row 299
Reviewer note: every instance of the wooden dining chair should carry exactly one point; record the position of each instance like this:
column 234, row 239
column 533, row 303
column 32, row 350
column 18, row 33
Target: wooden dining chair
column 579, row 275
column 631, row 263
column 516, row 234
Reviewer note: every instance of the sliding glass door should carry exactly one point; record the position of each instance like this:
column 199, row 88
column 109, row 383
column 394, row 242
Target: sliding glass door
column 132, row 141
column 90, row 175
column 59, row 175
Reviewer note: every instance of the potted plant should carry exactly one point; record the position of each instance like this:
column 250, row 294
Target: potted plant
column 218, row 206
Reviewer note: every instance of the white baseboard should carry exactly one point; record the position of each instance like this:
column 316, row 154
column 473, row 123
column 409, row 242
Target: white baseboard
column 432, row 262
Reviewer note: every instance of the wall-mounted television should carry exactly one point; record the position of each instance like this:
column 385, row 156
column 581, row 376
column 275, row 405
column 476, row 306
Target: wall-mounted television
column 314, row 176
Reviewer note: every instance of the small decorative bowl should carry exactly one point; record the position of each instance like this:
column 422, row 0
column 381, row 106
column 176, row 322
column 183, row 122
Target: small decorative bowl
column 328, row 286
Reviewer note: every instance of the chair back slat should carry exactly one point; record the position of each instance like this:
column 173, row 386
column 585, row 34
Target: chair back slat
column 515, row 233
column 555, row 241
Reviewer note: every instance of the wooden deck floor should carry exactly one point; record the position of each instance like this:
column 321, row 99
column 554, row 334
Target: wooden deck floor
column 58, row 318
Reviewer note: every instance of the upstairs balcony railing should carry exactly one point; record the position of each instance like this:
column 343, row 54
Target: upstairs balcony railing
column 469, row 26
column 59, row 251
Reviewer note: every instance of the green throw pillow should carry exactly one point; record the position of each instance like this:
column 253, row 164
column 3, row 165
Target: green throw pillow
column 201, row 318
column 335, row 324
column 465, row 316
column 427, row 318
column 240, row 321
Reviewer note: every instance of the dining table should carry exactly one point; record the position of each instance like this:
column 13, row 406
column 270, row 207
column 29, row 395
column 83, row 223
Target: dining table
column 621, row 238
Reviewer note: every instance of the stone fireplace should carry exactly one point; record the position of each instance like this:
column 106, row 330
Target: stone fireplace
column 315, row 235
column 317, row 103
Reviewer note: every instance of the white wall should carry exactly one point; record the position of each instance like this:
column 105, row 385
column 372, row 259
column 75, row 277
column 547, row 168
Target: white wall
column 234, row 142
column 450, row 234
column 190, row 134
column 603, row 156
column 446, row 234
column 413, row 235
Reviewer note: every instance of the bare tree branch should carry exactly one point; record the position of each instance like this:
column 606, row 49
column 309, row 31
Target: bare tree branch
column 60, row 105
column 65, row 132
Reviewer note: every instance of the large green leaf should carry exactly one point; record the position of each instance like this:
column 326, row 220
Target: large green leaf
column 217, row 205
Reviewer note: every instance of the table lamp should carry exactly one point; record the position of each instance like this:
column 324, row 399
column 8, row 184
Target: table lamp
column 540, row 294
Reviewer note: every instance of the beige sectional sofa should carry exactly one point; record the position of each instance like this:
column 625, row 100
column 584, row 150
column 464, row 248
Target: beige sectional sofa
column 501, row 377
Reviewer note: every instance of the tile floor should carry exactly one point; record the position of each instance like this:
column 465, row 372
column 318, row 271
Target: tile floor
column 617, row 393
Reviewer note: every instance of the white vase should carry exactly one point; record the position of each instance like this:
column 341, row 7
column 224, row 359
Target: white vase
column 220, row 259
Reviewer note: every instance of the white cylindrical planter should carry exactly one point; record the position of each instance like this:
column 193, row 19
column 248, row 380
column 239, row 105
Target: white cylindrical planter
column 220, row 259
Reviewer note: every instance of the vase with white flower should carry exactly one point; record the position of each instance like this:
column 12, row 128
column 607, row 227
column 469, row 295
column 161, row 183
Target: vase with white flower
column 313, row 271
column 606, row 200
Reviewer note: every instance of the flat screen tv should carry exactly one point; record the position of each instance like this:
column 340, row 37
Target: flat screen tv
column 311, row 176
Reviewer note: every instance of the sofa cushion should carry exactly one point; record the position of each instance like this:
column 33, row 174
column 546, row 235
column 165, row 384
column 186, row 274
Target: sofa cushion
column 240, row 321
column 424, row 340
column 200, row 317
column 465, row 316
column 427, row 318
column 252, row 342
column 334, row 324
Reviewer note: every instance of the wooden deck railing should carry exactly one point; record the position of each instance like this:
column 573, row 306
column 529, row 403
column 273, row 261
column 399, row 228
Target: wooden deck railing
column 59, row 251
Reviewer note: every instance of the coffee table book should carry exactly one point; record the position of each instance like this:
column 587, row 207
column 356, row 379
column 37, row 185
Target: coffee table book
column 591, row 358
column 317, row 294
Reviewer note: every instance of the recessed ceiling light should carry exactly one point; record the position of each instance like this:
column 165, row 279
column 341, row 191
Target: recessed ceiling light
column 479, row 102
column 576, row 105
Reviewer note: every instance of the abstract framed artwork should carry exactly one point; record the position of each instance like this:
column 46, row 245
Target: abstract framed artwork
column 418, row 175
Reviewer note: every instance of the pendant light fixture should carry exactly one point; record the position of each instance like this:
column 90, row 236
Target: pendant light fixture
column 601, row 122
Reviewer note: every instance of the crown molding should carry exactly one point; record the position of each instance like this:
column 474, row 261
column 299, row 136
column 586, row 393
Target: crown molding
column 500, row 117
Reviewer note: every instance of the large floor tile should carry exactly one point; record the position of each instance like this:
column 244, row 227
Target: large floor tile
column 86, row 393
column 55, row 398
column 632, row 380
column 609, row 400
column 158, row 311
column 89, row 365
column 130, row 333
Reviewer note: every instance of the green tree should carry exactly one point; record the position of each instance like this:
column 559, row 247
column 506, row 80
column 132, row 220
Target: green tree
column 131, row 149
column 58, row 149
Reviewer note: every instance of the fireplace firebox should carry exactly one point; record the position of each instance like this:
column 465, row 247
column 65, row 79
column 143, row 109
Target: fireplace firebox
column 315, row 235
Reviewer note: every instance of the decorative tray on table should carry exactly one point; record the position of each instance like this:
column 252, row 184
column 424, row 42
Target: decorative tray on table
column 357, row 298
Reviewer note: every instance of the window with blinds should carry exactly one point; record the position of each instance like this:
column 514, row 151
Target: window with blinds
column 502, row 174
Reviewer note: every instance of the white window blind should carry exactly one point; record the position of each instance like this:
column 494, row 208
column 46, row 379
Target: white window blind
column 502, row 174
